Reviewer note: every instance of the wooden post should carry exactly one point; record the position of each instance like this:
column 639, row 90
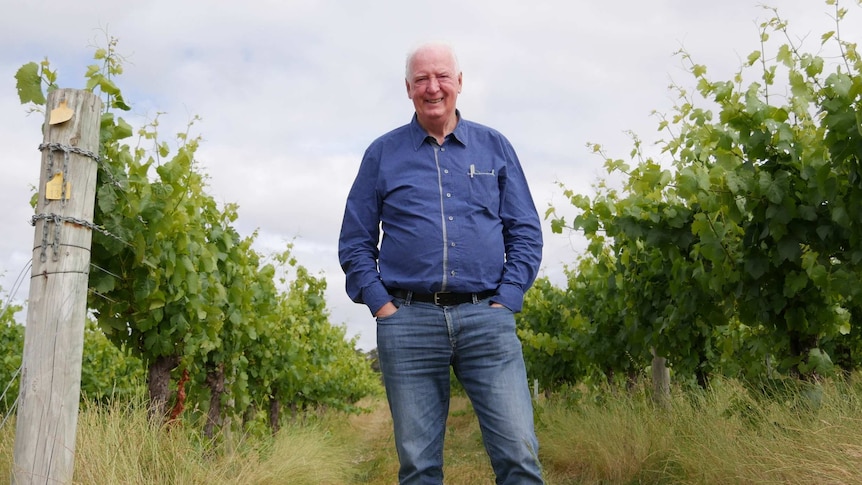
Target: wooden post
column 660, row 381
column 50, row 385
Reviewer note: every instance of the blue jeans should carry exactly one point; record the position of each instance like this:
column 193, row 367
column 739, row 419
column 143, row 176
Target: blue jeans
column 416, row 346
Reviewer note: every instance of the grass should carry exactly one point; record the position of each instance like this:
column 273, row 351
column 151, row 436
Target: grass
column 726, row 435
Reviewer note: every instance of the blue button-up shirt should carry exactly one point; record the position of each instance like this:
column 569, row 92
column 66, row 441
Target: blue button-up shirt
column 457, row 217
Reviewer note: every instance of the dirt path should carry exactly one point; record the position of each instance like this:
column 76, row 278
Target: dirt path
column 465, row 462
column 375, row 461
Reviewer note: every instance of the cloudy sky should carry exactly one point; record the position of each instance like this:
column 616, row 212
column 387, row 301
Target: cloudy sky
column 291, row 92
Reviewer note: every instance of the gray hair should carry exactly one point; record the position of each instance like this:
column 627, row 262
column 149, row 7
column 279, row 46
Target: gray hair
column 412, row 53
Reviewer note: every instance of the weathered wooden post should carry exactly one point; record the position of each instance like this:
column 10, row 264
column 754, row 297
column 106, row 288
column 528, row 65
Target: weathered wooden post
column 54, row 337
column 660, row 381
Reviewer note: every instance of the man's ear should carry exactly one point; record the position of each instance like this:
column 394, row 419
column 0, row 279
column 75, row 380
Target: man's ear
column 407, row 85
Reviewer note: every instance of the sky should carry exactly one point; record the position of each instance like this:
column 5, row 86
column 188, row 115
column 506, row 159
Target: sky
column 291, row 92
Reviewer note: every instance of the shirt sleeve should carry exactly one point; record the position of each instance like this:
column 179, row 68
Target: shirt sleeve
column 360, row 233
column 522, row 234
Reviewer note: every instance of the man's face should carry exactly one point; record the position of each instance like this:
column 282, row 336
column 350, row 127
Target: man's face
column 433, row 85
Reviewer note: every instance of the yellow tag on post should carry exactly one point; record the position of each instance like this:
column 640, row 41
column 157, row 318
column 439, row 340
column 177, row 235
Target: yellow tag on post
column 54, row 188
column 61, row 114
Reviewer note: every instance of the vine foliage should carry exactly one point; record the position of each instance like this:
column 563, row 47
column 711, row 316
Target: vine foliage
column 735, row 249
column 175, row 284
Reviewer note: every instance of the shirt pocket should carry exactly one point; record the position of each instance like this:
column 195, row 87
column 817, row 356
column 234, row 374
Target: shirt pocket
column 484, row 188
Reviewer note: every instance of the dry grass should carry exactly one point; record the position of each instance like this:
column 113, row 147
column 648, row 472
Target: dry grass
column 7, row 446
column 117, row 445
column 465, row 461
column 726, row 435
column 120, row 446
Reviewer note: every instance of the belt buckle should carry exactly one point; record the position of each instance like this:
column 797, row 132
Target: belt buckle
column 437, row 297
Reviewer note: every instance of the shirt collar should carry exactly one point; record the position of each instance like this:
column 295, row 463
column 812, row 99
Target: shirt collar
column 419, row 135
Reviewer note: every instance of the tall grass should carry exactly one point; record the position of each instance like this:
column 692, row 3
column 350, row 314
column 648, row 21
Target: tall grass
column 116, row 444
column 729, row 434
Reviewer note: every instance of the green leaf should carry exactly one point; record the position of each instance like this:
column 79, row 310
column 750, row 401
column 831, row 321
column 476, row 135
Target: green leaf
column 770, row 188
column 756, row 266
column 785, row 55
column 123, row 129
column 107, row 86
column 819, row 362
column 840, row 216
column 120, row 103
column 788, row 249
column 813, row 65
column 102, row 282
column 29, row 84
column 157, row 300
column 753, row 57
column 794, row 283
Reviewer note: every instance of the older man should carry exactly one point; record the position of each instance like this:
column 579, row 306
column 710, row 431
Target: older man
column 461, row 244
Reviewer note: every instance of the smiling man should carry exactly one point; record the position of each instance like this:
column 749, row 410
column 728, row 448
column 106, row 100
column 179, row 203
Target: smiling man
column 461, row 244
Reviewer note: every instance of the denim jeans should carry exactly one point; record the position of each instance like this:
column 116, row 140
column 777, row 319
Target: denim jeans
column 416, row 347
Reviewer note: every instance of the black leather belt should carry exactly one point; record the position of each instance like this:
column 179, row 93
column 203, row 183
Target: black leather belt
column 442, row 298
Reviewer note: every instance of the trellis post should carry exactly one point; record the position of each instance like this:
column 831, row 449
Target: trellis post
column 54, row 336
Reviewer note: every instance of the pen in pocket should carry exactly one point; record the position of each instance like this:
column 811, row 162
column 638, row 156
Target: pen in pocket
column 473, row 171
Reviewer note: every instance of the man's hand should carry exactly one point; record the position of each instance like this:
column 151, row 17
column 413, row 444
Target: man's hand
column 497, row 305
column 388, row 309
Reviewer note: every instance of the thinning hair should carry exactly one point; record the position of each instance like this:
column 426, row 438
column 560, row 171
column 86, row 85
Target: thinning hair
column 435, row 44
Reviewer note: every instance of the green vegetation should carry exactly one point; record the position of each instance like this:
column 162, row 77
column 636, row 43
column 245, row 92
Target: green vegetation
column 219, row 329
column 729, row 434
column 736, row 249
column 12, row 345
column 735, row 253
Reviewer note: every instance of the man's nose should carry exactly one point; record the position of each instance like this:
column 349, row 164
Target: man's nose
column 433, row 84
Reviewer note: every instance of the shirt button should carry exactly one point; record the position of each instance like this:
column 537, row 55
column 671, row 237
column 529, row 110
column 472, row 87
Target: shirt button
column 442, row 149
column 445, row 170
column 448, row 194
column 453, row 273
column 453, row 245
column 451, row 218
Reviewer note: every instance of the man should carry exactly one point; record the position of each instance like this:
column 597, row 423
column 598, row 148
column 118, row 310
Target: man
column 461, row 244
